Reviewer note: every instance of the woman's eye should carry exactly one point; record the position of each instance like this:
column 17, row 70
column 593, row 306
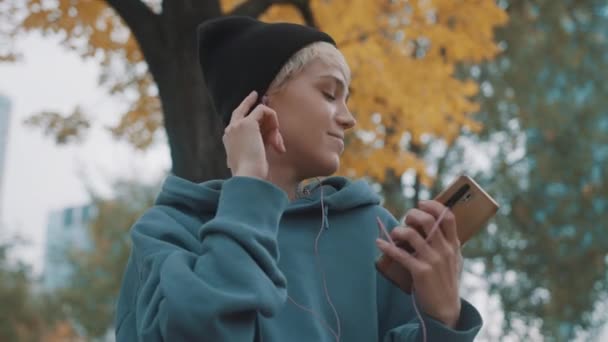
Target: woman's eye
column 329, row 96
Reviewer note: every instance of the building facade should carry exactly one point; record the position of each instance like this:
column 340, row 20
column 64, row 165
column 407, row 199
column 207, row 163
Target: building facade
column 67, row 230
column 5, row 108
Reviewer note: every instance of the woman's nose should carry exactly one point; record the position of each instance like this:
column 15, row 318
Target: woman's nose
column 346, row 119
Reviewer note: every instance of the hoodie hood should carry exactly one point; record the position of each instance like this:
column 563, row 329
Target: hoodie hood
column 336, row 193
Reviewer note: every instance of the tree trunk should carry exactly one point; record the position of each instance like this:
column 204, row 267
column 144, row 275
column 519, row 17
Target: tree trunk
column 168, row 42
column 417, row 184
column 392, row 189
column 193, row 129
column 417, row 150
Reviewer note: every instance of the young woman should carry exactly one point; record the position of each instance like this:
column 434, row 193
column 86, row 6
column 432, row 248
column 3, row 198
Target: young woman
column 258, row 257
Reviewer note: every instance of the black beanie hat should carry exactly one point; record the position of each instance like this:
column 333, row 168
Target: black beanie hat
column 241, row 54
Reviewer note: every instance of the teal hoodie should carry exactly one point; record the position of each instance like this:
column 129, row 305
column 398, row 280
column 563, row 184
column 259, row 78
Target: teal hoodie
column 235, row 261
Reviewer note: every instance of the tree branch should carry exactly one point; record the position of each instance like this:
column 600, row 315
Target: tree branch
column 190, row 12
column 306, row 11
column 255, row 8
column 417, row 150
column 143, row 23
column 441, row 166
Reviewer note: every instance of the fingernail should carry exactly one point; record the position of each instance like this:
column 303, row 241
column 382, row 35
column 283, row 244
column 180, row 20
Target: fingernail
column 423, row 203
column 428, row 201
column 381, row 243
column 253, row 92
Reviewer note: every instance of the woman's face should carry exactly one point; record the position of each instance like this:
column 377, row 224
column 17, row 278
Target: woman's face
column 313, row 117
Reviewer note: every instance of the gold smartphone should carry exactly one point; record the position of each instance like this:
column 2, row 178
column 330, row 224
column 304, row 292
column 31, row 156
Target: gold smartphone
column 472, row 208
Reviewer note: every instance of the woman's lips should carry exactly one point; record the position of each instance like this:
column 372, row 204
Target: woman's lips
column 339, row 139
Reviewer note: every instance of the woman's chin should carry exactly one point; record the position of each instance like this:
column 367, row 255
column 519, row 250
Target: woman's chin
column 329, row 166
column 319, row 166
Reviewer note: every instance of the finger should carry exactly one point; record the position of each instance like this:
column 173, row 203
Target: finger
column 282, row 142
column 273, row 137
column 245, row 106
column 410, row 235
column 402, row 257
column 435, row 237
column 419, row 218
column 448, row 222
column 277, row 138
column 265, row 115
column 277, row 135
column 272, row 134
column 269, row 125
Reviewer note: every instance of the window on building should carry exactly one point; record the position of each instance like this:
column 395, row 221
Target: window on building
column 68, row 217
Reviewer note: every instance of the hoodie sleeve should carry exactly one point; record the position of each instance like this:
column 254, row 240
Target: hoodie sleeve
column 398, row 322
column 208, row 286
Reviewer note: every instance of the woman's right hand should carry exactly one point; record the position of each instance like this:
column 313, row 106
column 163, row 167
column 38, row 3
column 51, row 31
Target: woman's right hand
column 247, row 136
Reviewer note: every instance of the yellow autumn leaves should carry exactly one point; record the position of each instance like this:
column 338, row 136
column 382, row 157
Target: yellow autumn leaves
column 403, row 55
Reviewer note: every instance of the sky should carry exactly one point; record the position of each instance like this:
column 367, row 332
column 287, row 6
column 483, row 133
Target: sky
column 41, row 177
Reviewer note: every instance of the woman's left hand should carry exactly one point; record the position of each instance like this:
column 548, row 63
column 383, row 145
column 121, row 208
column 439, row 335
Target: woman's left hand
column 436, row 264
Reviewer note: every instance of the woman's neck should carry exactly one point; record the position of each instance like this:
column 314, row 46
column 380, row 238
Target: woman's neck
column 286, row 181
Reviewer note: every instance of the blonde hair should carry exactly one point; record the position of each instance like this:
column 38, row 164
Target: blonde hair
column 323, row 51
